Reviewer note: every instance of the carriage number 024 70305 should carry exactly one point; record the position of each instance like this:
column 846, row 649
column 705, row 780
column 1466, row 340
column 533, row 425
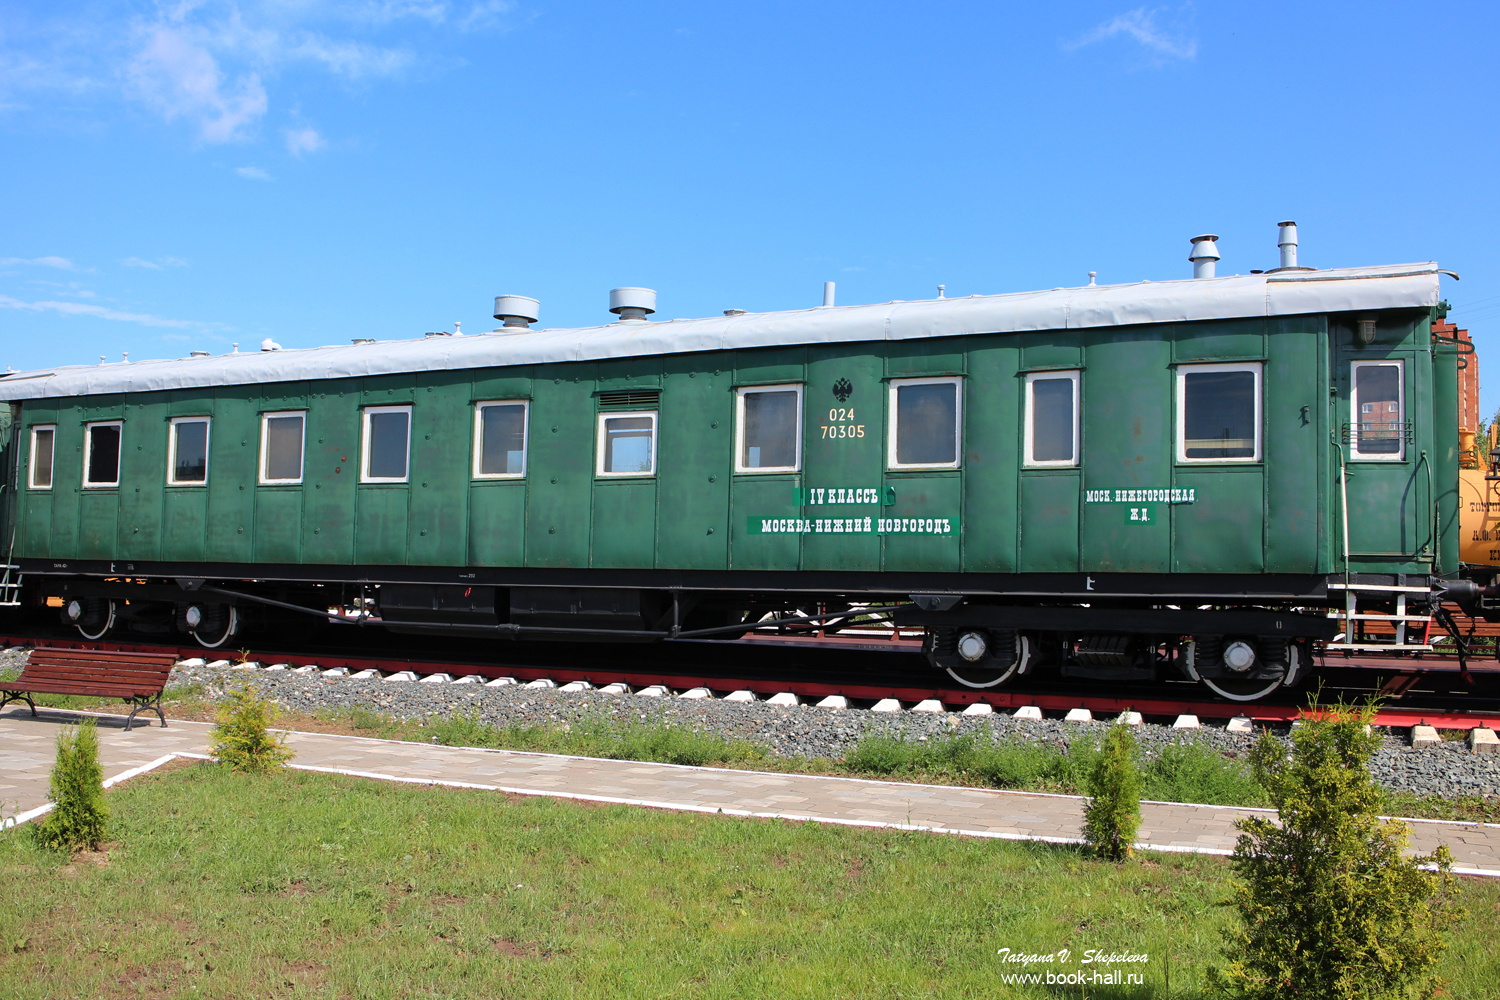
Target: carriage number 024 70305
column 841, row 424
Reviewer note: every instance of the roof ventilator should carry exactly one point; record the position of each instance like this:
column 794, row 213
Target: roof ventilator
column 1205, row 255
column 1286, row 241
column 269, row 345
column 632, row 305
column 516, row 312
column 827, row 293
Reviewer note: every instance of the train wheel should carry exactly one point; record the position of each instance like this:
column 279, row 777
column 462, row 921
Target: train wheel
column 92, row 616
column 1245, row 689
column 212, row 624
column 1237, row 689
column 988, row 671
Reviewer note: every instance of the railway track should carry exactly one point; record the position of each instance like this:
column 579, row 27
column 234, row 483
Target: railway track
column 1429, row 691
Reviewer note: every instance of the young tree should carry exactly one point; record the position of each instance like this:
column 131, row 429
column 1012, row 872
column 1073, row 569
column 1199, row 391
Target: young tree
column 80, row 816
column 1114, row 811
column 240, row 737
column 1328, row 906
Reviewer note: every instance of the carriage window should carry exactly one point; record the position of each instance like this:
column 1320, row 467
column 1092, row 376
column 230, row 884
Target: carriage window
column 770, row 429
column 627, row 444
column 187, row 459
column 281, row 447
column 500, row 440
column 43, row 440
column 924, row 423
column 1218, row 413
column 101, row 463
column 387, row 443
column 1376, row 403
column 1052, row 418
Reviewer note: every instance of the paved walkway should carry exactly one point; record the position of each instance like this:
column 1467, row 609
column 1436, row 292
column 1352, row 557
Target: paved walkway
column 27, row 751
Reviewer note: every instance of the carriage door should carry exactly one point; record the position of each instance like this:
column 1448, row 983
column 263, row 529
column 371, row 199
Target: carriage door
column 1389, row 501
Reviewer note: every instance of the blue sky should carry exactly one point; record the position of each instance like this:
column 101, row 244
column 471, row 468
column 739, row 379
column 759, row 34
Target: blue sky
column 188, row 175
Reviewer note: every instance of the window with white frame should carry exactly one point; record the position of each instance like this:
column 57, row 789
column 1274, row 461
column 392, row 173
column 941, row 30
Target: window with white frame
column 282, row 436
column 187, row 451
column 386, row 444
column 627, row 444
column 101, row 454
column 1377, row 403
column 768, row 431
column 1219, row 413
column 1051, row 419
column 500, row 440
column 43, row 446
column 925, row 423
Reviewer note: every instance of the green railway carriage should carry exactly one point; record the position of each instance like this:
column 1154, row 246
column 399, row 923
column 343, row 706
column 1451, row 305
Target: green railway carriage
column 1108, row 480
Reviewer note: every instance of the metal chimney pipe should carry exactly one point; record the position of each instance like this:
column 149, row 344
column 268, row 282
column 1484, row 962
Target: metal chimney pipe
column 1287, row 241
column 632, row 304
column 828, row 293
column 515, row 311
column 1204, row 256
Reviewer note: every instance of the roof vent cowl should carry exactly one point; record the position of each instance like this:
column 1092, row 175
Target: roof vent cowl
column 1205, row 255
column 632, row 305
column 1286, row 242
column 516, row 311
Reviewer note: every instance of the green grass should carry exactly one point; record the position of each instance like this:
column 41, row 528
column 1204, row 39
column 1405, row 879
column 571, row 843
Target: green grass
column 1182, row 773
column 304, row 884
column 1185, row 772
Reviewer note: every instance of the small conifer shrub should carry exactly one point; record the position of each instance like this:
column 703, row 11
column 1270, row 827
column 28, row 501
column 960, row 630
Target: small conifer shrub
column 80, row 817
column 240, row 738
column 1328, row 905
column 1114, row 811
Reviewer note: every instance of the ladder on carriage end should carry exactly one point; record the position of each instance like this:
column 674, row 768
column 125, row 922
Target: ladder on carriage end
column 10, row 586
column 1407, row 633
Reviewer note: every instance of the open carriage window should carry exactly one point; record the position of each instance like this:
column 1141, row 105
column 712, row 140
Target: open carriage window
column 627, row 444
column 43, row 442
column 1218, row 413
column 1376, row 405
column 101, row 454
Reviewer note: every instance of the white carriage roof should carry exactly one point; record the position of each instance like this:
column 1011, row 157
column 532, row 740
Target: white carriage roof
column 1287, row 293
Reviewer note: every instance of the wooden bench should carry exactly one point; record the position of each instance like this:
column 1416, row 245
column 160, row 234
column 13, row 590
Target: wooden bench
column 137, row 678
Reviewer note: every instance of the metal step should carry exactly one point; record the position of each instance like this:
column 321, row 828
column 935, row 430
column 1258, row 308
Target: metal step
column 10, row 587
column 1378, row 647
column 1380, row 588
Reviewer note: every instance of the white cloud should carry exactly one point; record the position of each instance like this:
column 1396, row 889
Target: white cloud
column 215, row 65
column 1140, row 25
column 352, row 60
column 385, row 11
column 155, row 265
column 61, row 263
column 252, row 173
column 485, row 14
column 102, row 312
column 175, row 73
column 303, row 140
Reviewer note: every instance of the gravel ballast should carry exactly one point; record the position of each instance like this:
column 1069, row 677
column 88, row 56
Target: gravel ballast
column 1447, row 769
